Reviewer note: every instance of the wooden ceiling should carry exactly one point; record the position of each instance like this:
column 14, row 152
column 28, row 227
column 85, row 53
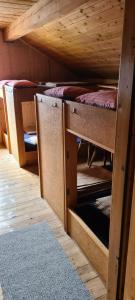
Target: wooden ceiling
column 87, row 39
column 11, row 9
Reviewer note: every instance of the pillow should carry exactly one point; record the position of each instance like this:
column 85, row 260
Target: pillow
column 67, row 92
column 104, row 205
column 21, row 83
column 101, row 98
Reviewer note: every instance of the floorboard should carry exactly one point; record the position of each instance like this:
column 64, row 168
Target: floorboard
column 21, row 206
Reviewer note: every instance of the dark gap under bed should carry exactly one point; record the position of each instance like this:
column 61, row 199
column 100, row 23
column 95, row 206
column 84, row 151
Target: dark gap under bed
column 86, row 209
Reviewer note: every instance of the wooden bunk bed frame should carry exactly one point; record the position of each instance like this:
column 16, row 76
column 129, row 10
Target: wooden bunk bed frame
column 112, row 263
column 97, row 125
column 50, row 121
column 21, row 116
column 50, row 110
column 58, row 153
column 4, row 120
column 117, row 276
column 123, row 172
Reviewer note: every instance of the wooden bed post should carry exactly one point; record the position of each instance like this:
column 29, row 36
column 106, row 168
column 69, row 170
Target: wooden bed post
column 123, row 160
column 6, row 118
column 129, row 290
column 71, row 176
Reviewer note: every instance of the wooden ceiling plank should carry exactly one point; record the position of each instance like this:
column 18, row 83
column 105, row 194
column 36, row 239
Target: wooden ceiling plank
column 41, row 13
column 12, row 9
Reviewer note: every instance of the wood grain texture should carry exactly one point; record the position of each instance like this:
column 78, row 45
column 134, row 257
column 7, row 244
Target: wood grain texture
column 81, row 120
column 120, row 194
column 2, row 115
column 10, row 10
column 42, row 13
column 51, row 152
column 88, row 39
column 96, row 252
column 129, row 291
column 20, row 61
column 15, row 100
column 97, row 125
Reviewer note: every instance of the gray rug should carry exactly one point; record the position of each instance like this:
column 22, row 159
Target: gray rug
column 34, row 266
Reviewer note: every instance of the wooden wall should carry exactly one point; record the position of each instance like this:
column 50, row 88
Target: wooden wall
column 19, row 60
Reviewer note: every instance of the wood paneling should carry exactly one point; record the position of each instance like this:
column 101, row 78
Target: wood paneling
column 29, row 116
column 122, row 169
column 95, row 124
column 19, row 61
column 2, row 118
column 129, row 293
column 96, row 252
column 88, row 39
column 11, row 9
column 42, row 13
column 49, row 113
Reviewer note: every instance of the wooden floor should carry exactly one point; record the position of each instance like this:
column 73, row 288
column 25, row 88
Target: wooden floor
column 21, row 206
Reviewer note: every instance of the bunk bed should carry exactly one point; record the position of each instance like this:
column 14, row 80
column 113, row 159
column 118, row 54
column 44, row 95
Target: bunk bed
column 86, row 223
column 58, row 165
column 22, row 120
column 50, row 124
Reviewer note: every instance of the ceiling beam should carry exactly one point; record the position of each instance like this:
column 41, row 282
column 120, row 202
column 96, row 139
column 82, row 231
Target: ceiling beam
column 41, row 13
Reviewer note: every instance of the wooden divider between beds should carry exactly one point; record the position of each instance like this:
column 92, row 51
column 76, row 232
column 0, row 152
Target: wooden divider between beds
column 4, row 128
column 21, row 115
column 50, row 114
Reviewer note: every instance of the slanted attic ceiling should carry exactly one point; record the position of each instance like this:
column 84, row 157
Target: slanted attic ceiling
column 11, row 9
column 88, row 39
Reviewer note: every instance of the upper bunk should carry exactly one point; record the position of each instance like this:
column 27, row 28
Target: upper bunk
column 90, row 113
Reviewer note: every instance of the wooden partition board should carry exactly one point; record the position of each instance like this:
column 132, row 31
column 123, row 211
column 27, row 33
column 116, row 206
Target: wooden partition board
column 2, row 115
column 92, row 247
column 29, row 116
column 14, row 99
column 3, row 118
column 5, row 140
column 97, row 125
column 51, row 151
column 129, row 291
column 123, row 160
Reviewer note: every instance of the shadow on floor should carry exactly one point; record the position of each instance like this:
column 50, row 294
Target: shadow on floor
column 32, row 169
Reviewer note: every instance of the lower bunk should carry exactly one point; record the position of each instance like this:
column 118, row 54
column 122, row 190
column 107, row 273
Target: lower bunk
column 88, row 209
column 86, row 223
column 22, row 120
column 92, row 247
